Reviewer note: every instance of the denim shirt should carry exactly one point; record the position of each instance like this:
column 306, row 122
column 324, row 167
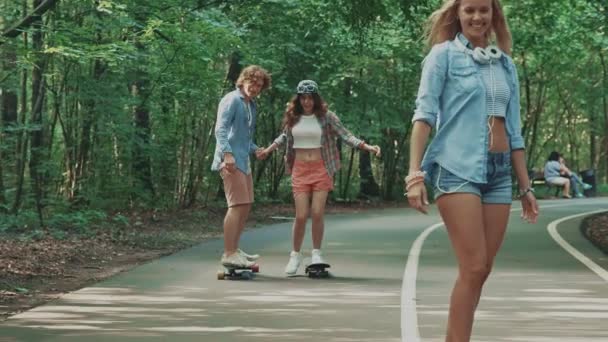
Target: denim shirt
column 234, row 131
column 452, row 99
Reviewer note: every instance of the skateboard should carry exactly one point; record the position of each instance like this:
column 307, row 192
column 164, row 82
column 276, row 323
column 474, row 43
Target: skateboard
column 317, row 271
column 236, row 273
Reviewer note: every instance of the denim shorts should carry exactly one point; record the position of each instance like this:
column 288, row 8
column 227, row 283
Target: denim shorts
column 498, row 190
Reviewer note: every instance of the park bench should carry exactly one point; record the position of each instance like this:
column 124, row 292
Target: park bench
column 537, row 181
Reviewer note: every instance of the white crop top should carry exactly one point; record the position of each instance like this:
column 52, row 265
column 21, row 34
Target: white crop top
column 498, row 92
column 307, row 132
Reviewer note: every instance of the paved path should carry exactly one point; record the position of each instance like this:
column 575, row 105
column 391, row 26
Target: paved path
column 538, row 291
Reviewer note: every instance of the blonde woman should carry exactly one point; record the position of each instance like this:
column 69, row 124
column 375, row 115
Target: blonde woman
column 469, row 93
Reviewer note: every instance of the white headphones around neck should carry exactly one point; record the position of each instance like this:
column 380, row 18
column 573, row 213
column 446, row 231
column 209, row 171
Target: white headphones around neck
column 481, row 55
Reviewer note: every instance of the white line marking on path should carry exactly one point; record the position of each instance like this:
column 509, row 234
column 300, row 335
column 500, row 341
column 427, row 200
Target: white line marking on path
column 282, row 218
column 552, row 228
column 409, row 313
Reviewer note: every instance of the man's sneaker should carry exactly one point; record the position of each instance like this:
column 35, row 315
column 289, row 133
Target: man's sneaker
column 587, row 186
column 317, row 257
column 250, row 257
column 579, row 195
column 295, row 259
column 236, row 260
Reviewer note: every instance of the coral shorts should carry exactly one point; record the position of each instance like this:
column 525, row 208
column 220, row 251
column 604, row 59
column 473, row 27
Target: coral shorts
column 310, row 176
column 238, row 187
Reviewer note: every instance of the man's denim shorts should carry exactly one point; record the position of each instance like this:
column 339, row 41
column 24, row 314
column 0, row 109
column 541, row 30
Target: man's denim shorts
column 498, row 190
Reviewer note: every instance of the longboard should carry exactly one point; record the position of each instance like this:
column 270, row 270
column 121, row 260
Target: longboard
column 317, row 270
column 235, row 273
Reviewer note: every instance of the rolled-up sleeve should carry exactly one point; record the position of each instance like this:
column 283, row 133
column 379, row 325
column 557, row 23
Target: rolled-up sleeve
column 281, row 139
column 431, row 85
column 514, row 116
column 225, row 117
column 342, row 132
column 253, row 147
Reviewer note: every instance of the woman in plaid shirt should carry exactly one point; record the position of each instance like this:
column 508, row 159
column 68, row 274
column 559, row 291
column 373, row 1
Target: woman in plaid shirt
column 312, row 158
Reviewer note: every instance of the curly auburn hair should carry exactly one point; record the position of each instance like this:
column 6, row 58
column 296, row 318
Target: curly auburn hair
column 254, row 73
column 294, row 109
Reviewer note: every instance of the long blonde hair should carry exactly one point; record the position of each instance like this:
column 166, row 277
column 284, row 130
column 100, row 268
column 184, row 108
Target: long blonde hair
column 443, row 25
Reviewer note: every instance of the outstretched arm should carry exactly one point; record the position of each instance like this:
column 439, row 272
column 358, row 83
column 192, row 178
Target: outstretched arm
column 348, row 137
column 263, row 153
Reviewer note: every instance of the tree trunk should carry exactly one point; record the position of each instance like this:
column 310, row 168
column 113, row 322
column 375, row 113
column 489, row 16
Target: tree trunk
column 2, row 161
column 37, row 135
column 22, row 137
column 392, row 158
column 83, row 151
column 605, row 109
column 142, row 166
column 367, row 183
column 349, row 173
column 8, row 118
column 141, row 91
column 592, row 127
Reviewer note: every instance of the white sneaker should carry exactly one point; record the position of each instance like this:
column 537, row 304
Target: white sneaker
column 295, row 259
column 317, row 257
column 250, row 257
column 236, row 260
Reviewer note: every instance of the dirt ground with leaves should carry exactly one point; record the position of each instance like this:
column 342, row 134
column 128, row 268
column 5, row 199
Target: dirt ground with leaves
column 35, row 271
column 595, row 229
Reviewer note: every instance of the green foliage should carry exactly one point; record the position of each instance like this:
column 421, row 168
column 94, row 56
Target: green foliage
column 602, row 189
column 78, row 221
column 106, row 59
column 121, row 220
column 25, row 221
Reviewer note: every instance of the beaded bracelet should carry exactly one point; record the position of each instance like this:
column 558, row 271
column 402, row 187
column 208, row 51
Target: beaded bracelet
column 415, row 175
column 409, row 185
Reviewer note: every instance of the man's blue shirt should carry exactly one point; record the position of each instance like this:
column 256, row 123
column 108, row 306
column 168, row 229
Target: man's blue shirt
column 234, row 130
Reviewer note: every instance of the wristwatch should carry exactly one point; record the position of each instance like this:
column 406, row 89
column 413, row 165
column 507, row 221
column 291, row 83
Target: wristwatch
column 523, row 193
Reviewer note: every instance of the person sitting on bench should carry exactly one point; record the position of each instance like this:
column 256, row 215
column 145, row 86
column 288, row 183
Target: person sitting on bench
column 553, row 170
column 575, row 181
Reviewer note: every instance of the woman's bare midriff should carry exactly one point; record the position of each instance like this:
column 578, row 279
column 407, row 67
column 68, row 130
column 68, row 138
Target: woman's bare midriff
column 498, row 140
column 308, row 154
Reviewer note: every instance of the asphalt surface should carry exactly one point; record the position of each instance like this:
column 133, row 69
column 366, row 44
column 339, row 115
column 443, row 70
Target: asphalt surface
column 538, row 291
